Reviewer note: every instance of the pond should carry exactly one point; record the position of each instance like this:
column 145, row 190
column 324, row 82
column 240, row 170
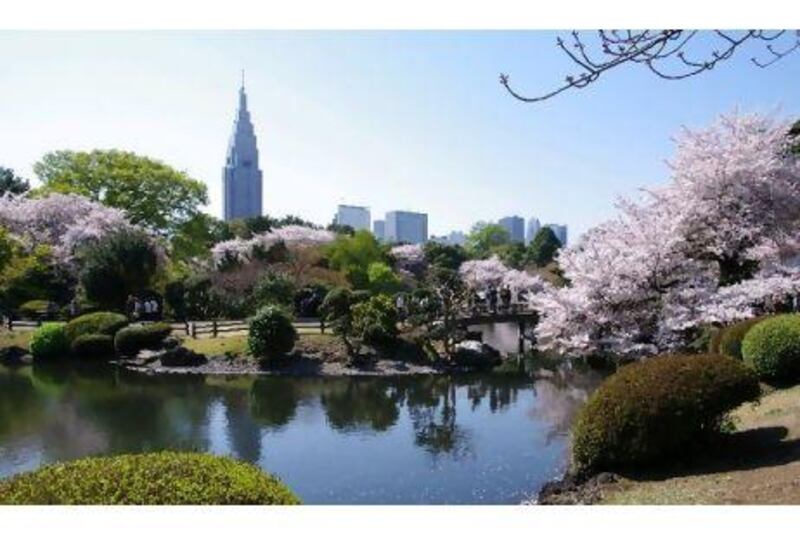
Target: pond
column 491, row 438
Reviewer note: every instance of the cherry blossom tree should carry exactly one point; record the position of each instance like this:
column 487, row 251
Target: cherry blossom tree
column 243, row 250
column 717, row 243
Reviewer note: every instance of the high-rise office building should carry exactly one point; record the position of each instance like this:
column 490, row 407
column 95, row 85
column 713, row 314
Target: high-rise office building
column 533, row 228
column 355, row 216
column 515, row 226
column 379, row 230
column 560, row 231
column 241, row 176
column 406, row 227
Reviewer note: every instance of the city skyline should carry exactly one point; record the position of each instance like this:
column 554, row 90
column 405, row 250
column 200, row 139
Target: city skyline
column 328, row 134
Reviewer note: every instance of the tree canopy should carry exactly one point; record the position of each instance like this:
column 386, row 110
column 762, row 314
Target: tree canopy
column 11, row 183
column 485, row 237
column 152, row 193
column 544, row 246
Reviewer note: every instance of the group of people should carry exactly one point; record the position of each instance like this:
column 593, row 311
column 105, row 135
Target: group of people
column 494, row 299
column 147, row 308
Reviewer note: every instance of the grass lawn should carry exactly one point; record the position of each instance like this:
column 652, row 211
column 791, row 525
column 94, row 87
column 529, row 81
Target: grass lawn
column 237, row 344
column 17, row 337
column 762, row 465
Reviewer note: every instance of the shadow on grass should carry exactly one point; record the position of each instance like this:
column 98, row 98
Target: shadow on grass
column 740, row 451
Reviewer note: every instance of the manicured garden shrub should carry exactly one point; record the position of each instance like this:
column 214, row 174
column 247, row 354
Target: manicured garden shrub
column 102, row 322
column 34, row 309
column 658, row 409
column 772, row 348
column 131, row 340
column 49, row 341
column 93, row 346
column 272, row 334
column 181, row 356
column 730, row 337
column 375, row 321
column 163, row 478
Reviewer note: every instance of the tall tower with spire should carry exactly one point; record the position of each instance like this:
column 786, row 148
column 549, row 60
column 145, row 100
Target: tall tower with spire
column 241, row 176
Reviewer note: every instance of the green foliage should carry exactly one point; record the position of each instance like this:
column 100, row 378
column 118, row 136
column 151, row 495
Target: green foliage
column 730, row 337
column 11, row 183
column 37, row 308
column 513, row 255
column 658, row 409
column 544, row 246
column 93, row 346
column 102, row 322
column 272, row 335
column 336, row 310
column 7, row 248
column 120, row 264
column 772, row 348
column 33, row 275
column 195, row 237
column 353, row 255
column 375, row 321
column 131, row 340
column 163, row 478
column 49, row 341
column 154, row 194
column 444, row 255
column 382, row 280
column 484, row 238
column 274, row 289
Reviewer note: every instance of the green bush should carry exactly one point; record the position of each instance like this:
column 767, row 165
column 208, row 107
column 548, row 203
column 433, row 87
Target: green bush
column 93, row 346
column 657, row 409
column 375, row 321
column 163, row 478
column 274, row 289
column 49, row 341
column 33, row 309
column 272, row 334
column 730, row 337
column 772, row 348
column 102, row 322
column 131, row 340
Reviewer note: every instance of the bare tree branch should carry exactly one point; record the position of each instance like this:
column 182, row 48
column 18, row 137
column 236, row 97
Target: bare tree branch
column 666, row 53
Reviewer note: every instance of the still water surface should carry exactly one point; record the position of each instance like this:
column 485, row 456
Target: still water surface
column 491, row 438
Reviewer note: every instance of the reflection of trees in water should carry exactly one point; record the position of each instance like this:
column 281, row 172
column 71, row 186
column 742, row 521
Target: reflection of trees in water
column 501, row 391
column 355, row 404
column 243, row 431
column 273, row 401
column 21, row 407
column 560, row 393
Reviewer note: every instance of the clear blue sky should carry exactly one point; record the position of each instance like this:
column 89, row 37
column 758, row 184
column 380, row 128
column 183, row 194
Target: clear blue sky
column 391, row 120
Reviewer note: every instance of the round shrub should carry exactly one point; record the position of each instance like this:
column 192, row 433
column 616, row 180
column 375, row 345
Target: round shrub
column 375, row 321
column 772, row 347
column 272, row 334
column 93, row 346
column 102, row 322
column 49, row 341
column 657, row 409
column 163, row 478
column 730, row 337
column 131, row 340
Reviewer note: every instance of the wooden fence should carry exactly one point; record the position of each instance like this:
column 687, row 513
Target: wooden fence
column 196, row 329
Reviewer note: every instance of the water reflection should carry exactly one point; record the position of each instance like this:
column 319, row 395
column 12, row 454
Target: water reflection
column 424, row 439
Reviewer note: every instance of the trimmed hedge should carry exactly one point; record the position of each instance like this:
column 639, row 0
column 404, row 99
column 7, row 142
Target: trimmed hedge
column 772, row 348
column 37, row 308
column 131, row 340
column 730, row 337
column 101, row 322
column 272, row 334
column 93, row 346
column 657, row 409
column 163, row 478
column 49, row 341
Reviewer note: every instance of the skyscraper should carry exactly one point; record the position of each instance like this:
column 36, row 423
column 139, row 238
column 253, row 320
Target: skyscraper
column 241, row 176
column 515, row 226
column 355, row 216
column 406, row 227
column 533, row 228
column 561, row 232
column 379, row 229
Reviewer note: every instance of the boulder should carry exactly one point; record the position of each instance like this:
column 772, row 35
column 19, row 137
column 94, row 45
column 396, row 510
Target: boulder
column 182, row 356
column 13, row 355
column 477, row 355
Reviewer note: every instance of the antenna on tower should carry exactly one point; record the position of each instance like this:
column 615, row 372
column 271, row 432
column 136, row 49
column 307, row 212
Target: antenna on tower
column 242, row 78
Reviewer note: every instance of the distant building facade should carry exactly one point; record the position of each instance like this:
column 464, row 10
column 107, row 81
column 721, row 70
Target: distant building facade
column 241, row 176
column 533, row 228
column 560, row 231
column 406, row 226
column 379, row 230
column 515, row 226
column 355, row 216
